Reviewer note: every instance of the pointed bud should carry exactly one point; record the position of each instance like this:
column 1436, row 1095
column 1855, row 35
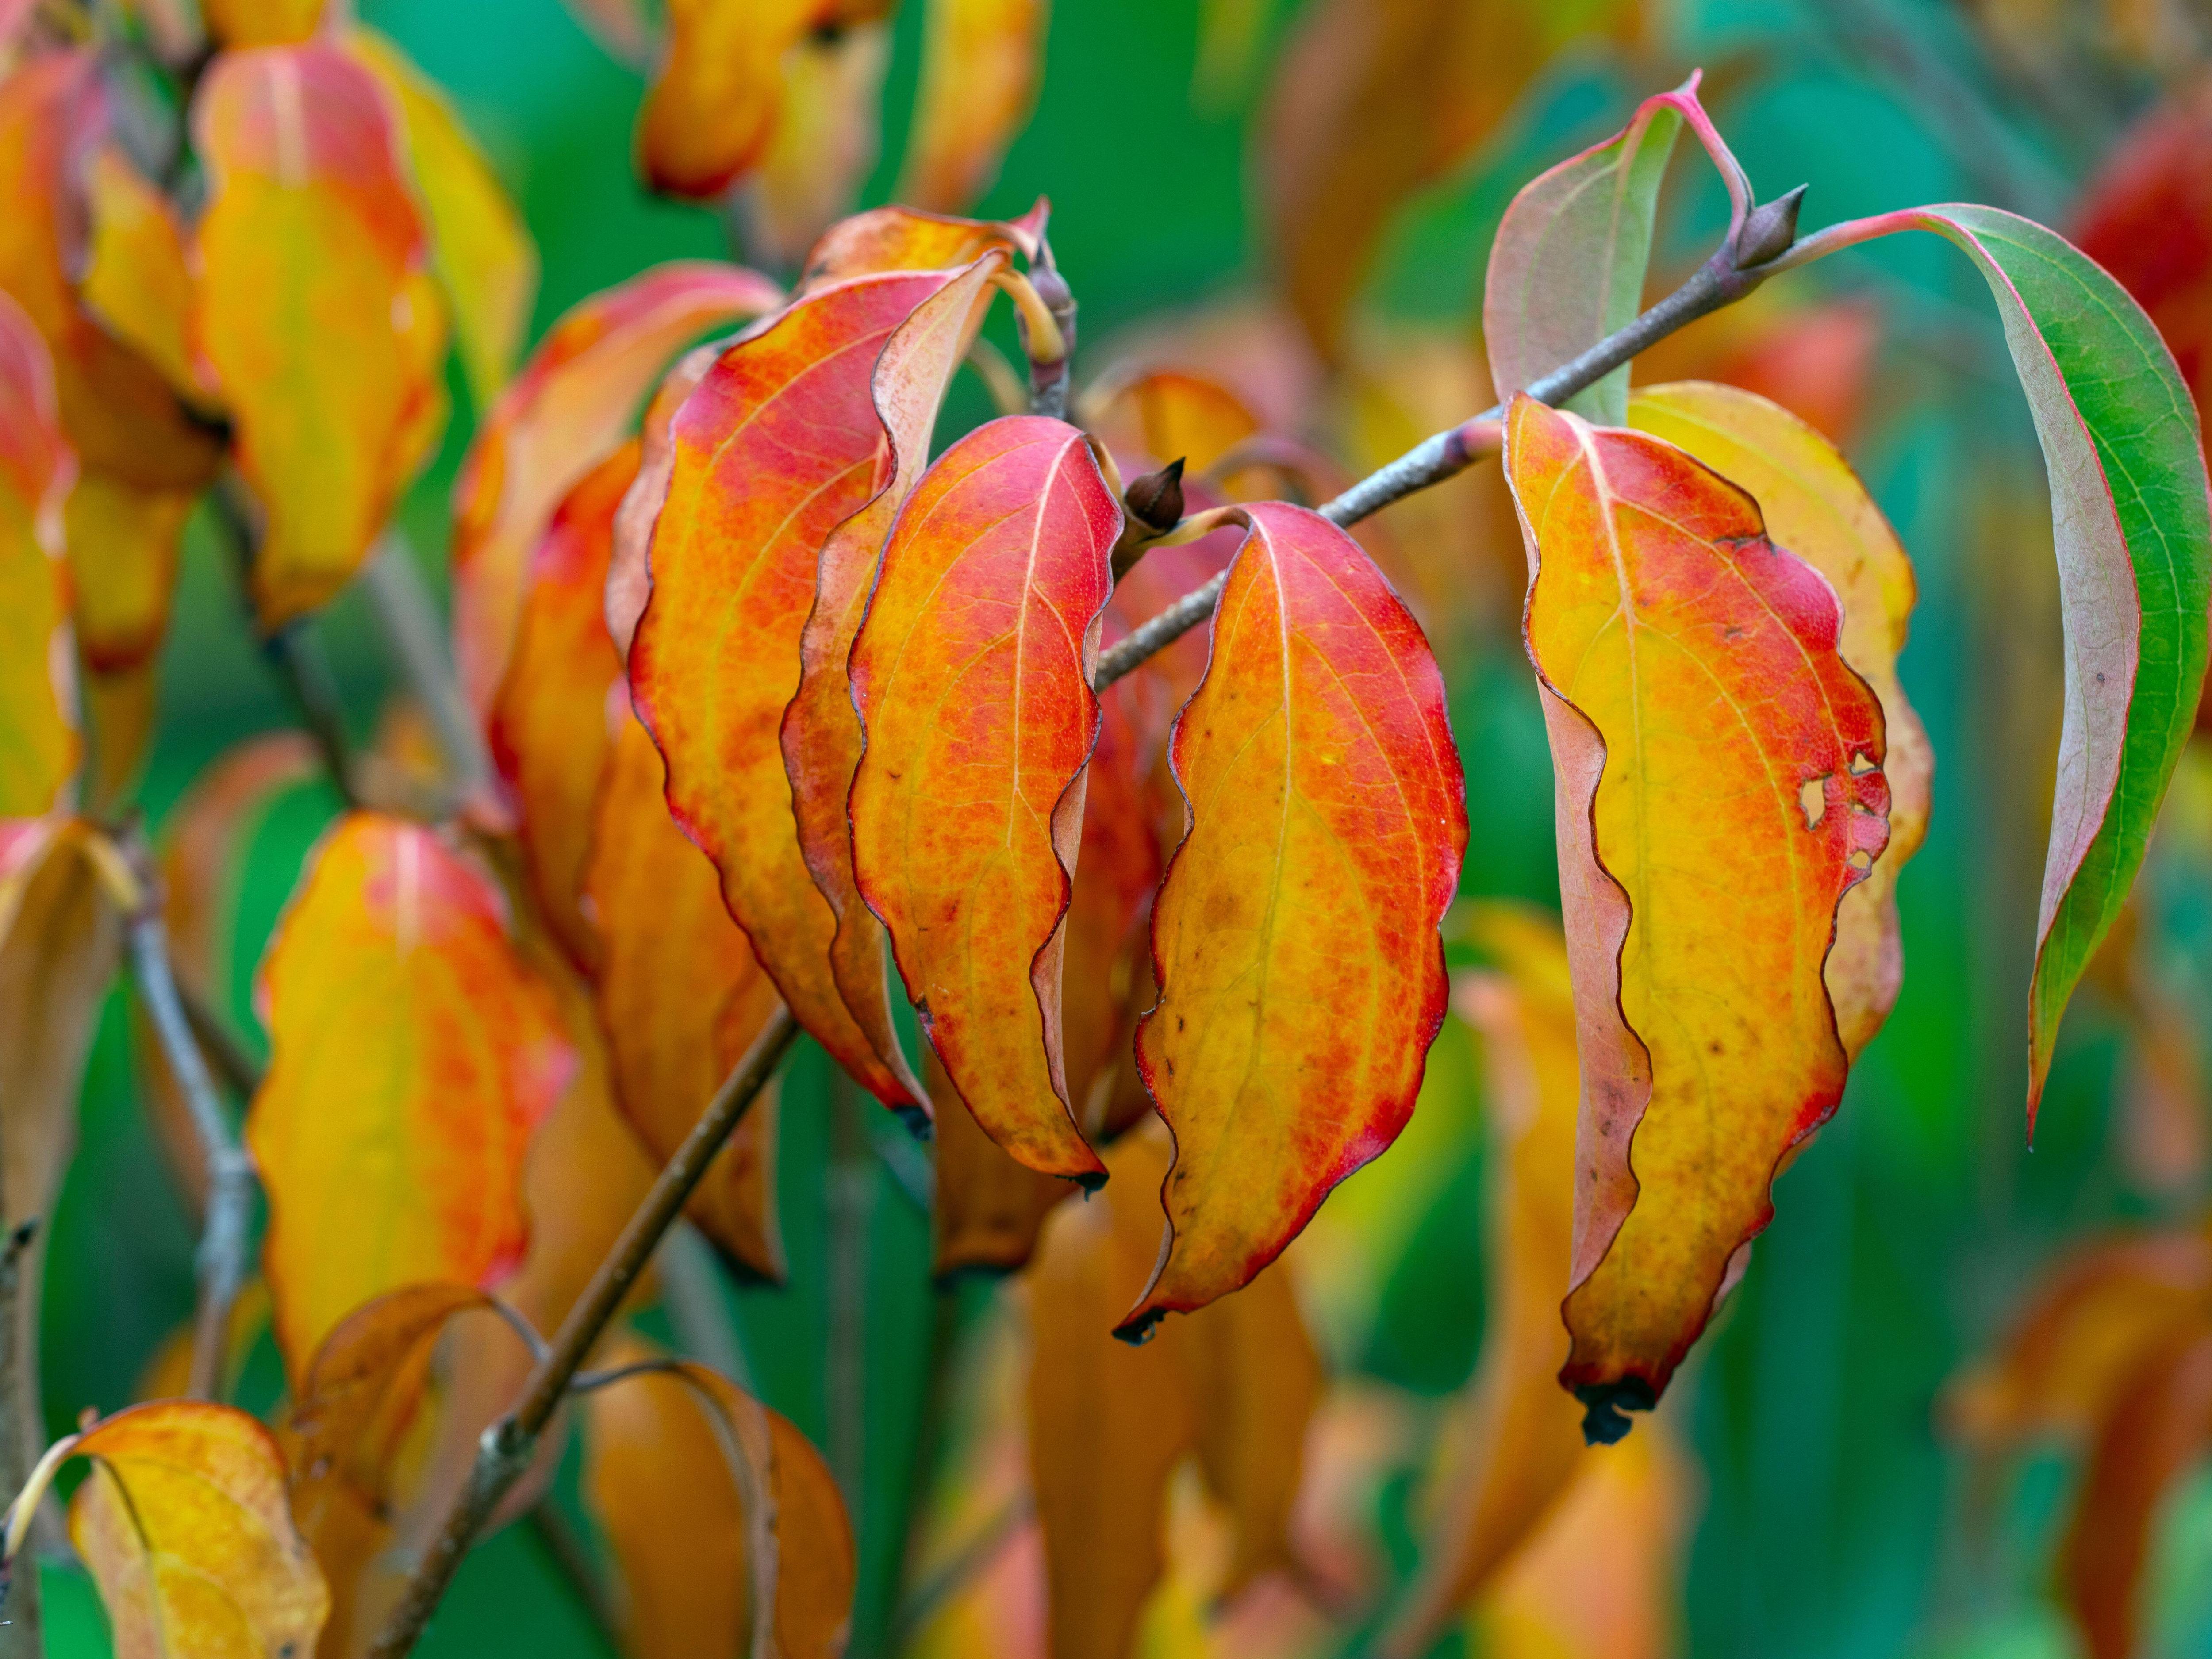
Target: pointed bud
column 1769, row 230
column 1155, row 501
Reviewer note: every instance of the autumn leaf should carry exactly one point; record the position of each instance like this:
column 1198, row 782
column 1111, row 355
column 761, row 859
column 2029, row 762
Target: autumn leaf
column 680, row 999
column 1326, row 824
column 888, row 238
column 1521, row 1445
column 182, row 1522
column 826, row 137
column 1702, row 720
column 1234, row 1386
column 117, row 411
column 567, row 407
column 479, row 246
column 971, row 675
column 123, row 543
column 38, row 740
column 760, row 1562
column 630, row 571
column 548, row 728
column 1163, row 415
column 314, row 310
column 2159, row 1424
column 2133, row 527
column 1814, row 506
column 261, row 22
column 712, row 108
column 1374, row 99
column 1568, row 263
column 412, row 1056
column 981, row 63
column 778, row 445
column 820, row 733
column 985, row 1210
column 137, row 275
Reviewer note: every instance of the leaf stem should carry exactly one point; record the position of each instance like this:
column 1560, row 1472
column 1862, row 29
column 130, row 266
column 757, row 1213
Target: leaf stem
column 506, row 1448
column 1746, row 259
column 225, row 1234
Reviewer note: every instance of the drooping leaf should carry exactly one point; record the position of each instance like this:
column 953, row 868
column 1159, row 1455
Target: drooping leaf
column 38, row 740
column 138, row 277
column 630, row 571
column 981, row 63
column 2132, row 517
column 548, row 728
column 971, row 675
column 2159, row 1425
column 182, row 1522
column 314, row 309
column 1326, row 830
column 1374, row 98
column 1568, row 263
column 779, row 444
column 1233, row 1386
column 758, row 1531
column 412, row 1056
column 479, row 246
column 986, row 1209
column 122, row 543
column 826, row 137
column 712, row 108
column 1522, row 1443
column 1163, row 415
column 820, row 733
column 568, row 406
column 680, row 996
column 1719, row 784
column 261, row 22
column 1814, row 506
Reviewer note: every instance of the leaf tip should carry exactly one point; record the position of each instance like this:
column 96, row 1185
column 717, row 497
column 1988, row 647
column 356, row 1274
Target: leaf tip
column 917, row 1120
column 1138, row 1329
column 1606, row 1405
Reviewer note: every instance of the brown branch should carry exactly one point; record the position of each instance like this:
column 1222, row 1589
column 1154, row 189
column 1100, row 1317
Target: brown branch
column 224, row 1234
column 1732, row 272
column 20, row 1631
column 506, row 1448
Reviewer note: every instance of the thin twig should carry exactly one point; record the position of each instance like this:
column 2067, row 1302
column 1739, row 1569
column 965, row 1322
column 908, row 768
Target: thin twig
column 19, row 1633
column 505, row 1450
column 1726, row 277
column 409, row 618
column 224, row 1234
column 233, row 1062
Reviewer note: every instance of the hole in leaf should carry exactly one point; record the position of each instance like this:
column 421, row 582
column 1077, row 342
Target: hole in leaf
column 1813, row 800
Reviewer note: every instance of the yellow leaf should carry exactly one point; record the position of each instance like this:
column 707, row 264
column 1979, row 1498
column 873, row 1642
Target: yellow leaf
column 136, row 280
column 314, row 311
column 479, row 246
column 981, row 63
column 827, row 134
column 38, row 742
column 261, row 22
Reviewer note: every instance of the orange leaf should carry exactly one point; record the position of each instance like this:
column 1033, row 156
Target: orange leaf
column 38, row 744
column 887, row 239
column 826, row 137
column 1523, row 1442
column 1327, row 826
column 119, row 413
column 820, row 736
column 779, row 443
column 1720, row 790
column 413, row 1054
column 981, row 63
column 2093, row 1321
column 971, row 675
column 183, row 1525
column 123, row 546
column 680, row 999
column 1236, row 1386
column 710, row 112
column 314, row 310
column 1165, row 415
column 556, row 421
column 2159, row 1426
column 547, row 728
column 710, row 1570
column 629, row 567
column 1814, row 506
column 987, row 1209
column 261, row 22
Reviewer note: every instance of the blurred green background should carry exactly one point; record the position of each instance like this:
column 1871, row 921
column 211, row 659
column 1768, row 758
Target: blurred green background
column 1833, row 1519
